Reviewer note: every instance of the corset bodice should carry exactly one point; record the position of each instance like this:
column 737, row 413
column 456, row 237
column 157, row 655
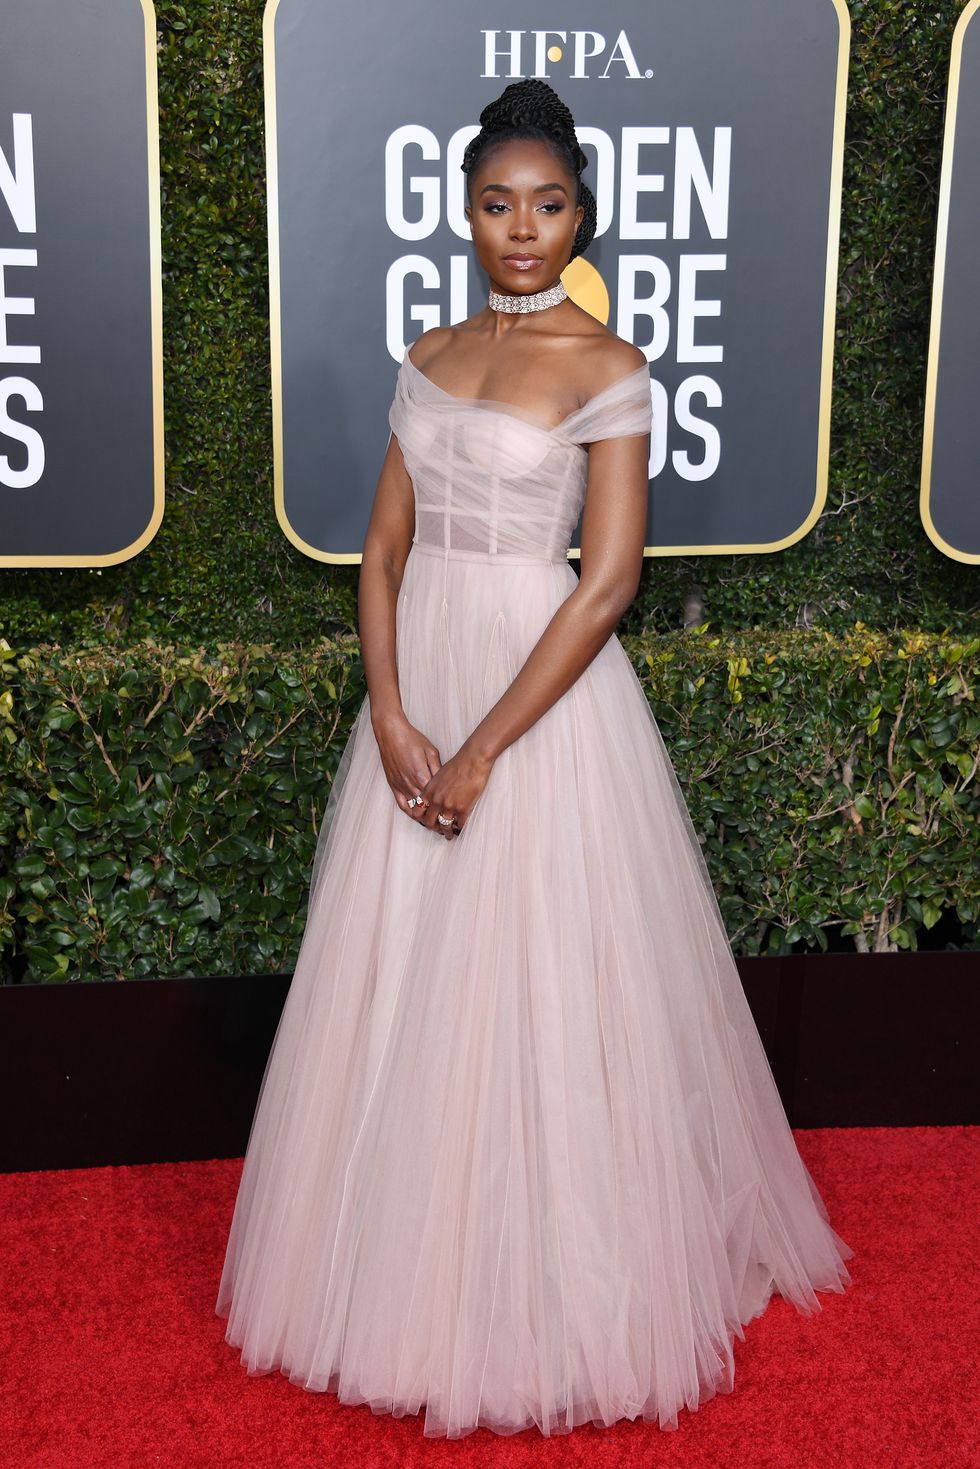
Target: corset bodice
column 489, row 478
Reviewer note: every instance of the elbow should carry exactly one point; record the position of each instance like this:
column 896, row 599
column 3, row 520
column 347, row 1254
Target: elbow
column 384, row 557
column 610, row 600
column 621, row 601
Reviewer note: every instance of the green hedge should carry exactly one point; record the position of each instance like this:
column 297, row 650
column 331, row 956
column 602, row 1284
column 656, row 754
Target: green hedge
column 220, row 569
column 161, row 805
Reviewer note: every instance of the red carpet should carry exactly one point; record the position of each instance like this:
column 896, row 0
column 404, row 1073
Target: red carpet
column 112, row 1356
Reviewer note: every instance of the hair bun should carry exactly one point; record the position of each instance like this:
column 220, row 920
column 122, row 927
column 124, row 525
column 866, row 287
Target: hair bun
column 529, row 102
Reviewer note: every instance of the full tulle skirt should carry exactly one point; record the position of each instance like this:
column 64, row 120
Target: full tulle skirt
column 518, row 1158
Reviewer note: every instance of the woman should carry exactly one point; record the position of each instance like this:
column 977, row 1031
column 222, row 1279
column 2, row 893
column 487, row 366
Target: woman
column 518, row 1156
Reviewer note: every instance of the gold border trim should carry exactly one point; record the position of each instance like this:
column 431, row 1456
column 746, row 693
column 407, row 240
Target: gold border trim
column 275, row 298
column 111, row 558
column 827, row 351
column 938, row 282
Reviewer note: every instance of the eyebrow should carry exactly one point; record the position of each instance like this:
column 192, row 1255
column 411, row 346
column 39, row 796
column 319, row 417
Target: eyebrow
column 506, row 189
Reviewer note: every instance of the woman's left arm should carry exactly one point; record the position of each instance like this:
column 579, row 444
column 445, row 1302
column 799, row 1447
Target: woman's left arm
column 613, row 528
column 614, row 520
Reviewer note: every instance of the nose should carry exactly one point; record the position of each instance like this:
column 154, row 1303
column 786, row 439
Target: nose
column 522, row 223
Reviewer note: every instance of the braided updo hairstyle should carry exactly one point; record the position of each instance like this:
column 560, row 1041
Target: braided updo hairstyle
column 531, row 109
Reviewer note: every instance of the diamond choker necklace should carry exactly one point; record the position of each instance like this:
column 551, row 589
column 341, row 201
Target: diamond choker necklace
column 536, row 301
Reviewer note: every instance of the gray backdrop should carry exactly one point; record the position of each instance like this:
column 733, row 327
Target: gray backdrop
column 354, row 282
column 950, row 497
column 81, row 427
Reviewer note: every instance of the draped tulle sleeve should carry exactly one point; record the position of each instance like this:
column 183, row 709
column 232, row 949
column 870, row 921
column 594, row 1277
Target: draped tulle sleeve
column 624, row 408
column 398, row 413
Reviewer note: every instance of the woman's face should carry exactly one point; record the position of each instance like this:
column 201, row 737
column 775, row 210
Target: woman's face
column 522, row 204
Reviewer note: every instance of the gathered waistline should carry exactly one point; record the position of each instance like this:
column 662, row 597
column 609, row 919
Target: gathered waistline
column 515, row 558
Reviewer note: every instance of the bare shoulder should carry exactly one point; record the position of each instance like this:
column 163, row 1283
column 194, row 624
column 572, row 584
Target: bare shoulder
column 430, row 344
column 605, row 358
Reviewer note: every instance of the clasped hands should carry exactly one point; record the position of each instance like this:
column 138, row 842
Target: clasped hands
column 414, row 768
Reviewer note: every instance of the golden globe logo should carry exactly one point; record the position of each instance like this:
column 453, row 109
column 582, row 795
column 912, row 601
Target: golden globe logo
column 664, row 293
column 527, row 53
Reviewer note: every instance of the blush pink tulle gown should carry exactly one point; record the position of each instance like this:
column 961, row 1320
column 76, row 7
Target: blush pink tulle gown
column 518, row 1157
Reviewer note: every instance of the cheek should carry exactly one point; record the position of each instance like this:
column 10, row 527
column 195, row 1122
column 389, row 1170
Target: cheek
column 482, row 232
column 557, row 226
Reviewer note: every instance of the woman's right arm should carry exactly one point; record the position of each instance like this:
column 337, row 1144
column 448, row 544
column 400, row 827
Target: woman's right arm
column 408, row 756
column 387, row 542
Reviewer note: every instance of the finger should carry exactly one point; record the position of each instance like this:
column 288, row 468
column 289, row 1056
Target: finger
column 416, row 809
column 407, row 790
column 429, row 820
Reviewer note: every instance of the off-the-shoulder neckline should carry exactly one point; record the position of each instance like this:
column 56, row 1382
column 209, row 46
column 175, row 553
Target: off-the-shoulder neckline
column 516, row 410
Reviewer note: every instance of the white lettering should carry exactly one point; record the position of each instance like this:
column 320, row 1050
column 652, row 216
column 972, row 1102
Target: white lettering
column 603, row 182
column 15, row 306
column 21, row 433
column 622, row 51
column 427, row 316
column 701, row 428
column 396, row 183
column 456, row 181
column 490, row 68
column 459, row 308
column 17, row 183
column 691, row 175
column 689, row 307
column 631, row 306
column 633, row 183
column 657, row 300
column 587, row 45
column 541, row 39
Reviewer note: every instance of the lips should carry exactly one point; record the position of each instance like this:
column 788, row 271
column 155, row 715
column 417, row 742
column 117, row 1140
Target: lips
column 522, row 262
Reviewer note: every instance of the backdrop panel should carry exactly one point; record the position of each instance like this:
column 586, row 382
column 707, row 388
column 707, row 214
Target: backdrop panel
column 81, row 358
column 948, row 498
column 715, row 136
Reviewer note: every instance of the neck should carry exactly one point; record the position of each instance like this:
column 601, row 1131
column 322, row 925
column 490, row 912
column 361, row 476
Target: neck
column 521, row 303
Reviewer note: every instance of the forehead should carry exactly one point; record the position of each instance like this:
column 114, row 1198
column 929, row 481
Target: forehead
column 524, row 160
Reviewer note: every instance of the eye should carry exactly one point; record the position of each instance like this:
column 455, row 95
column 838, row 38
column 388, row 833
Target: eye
column 551, row 205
